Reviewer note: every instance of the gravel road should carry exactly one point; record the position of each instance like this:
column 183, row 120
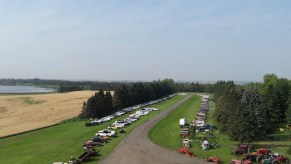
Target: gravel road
column 136, row 148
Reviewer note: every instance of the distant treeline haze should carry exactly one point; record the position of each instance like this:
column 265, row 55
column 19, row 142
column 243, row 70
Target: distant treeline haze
column 68, row 86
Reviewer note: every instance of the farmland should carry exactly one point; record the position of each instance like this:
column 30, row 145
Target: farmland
column 60, row 142
column 20, row 113
column 170, row 126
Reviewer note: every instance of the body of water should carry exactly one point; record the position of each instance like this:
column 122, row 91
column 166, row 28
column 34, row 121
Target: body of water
column 24, row 89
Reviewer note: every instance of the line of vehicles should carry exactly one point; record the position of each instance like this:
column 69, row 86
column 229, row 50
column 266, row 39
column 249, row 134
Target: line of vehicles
column 126, row 110
column 119, row 124
column 131, row 118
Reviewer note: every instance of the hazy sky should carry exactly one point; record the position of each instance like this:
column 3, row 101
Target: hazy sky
column 145, row 40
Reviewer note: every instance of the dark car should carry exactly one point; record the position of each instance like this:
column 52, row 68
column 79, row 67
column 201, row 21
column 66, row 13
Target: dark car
column 98, row 139
column 91, row 123
column 206, row 127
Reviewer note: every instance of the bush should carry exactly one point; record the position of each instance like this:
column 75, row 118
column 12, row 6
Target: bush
column 289, row 151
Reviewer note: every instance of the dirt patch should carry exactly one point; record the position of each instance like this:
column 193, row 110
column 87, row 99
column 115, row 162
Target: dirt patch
column 137, row 148
column 3, row 109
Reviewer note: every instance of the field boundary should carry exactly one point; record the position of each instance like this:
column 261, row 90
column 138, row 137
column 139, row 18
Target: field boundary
column 12, row 135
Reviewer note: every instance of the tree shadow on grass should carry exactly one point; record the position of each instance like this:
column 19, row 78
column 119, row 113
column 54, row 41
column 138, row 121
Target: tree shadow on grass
column 270, row 146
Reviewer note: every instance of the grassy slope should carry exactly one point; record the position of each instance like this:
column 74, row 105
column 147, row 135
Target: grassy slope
column 170, row 126
column 58, row 143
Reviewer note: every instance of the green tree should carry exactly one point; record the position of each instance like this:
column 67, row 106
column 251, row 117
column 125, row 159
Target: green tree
column 275, row 93
column 251, row 118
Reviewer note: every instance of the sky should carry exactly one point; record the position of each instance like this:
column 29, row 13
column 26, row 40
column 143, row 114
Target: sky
column 111, row 40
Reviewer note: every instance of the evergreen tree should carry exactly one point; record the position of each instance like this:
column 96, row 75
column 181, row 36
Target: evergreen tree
column 251, row 124
column 275, row 93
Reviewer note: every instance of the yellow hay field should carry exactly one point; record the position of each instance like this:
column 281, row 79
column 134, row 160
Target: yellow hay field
column 19, row 113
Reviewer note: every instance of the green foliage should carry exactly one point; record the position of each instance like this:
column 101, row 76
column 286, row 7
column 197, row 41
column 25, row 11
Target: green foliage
column 251, row 119
column 30, row 101
column 220, row 87
column 98, row 105
column 194, row 87
column 248, row 113
column 137, row 93
column 275, row 93
column 227, row 103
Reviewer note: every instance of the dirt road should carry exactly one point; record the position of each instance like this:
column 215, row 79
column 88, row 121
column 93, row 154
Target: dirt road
column 136, row 148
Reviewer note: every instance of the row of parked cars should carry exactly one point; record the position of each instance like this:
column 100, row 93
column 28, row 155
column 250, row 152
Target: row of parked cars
column 126, row 110
column 200, row 120
column 131, row 118
column 102, row 135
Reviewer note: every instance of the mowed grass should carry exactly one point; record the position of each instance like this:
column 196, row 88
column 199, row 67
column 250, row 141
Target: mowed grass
column 59, row 142
column 166, row 133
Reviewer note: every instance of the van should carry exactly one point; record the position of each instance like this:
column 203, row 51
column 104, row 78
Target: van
column 182, row 122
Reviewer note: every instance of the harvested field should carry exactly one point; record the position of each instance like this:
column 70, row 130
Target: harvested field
column 20, row 113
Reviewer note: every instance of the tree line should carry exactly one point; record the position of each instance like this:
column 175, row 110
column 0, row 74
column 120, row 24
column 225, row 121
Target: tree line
column 251, row 112
column 65, row 85
column 194, row 87
column 68, row 86
column 103, row 103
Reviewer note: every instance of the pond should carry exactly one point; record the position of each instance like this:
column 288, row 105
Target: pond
column 24, row 89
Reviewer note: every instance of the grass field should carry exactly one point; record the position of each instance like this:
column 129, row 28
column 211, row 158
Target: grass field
column 60, row 142
column 19, row 113
column 166, row 134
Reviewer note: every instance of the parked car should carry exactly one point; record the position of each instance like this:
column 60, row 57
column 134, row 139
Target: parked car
column 106, row 132
column 130, row 119
column 98, row 139
column 118, row 122
column 92, row 123
column 119, row 113
column 115, row 126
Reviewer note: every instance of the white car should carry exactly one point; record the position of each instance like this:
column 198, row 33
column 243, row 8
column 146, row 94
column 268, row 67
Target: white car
column 119, row 113
column 106, row 133
column 155, row 109
column 130, row 120
column 134, row 116
column 115, row 126
column 119, row 122
column 142, row 113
